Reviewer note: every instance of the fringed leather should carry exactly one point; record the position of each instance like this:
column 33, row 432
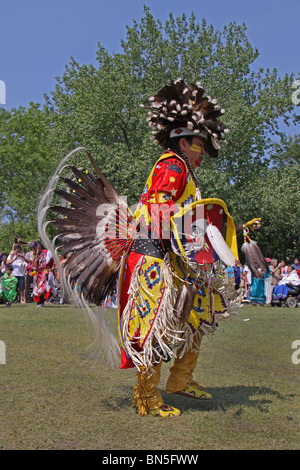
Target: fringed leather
column 139, row 400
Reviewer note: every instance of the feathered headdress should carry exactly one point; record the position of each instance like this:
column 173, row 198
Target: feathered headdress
column 179, row 110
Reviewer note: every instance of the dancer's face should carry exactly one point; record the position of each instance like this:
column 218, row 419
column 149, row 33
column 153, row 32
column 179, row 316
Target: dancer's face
column 194, row 150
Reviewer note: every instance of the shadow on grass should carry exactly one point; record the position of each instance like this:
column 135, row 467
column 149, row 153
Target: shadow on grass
column 223, row 398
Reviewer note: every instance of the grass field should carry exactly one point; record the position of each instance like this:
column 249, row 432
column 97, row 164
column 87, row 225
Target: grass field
column 51, row 398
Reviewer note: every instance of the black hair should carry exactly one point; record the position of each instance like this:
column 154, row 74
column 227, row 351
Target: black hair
column 174, row 142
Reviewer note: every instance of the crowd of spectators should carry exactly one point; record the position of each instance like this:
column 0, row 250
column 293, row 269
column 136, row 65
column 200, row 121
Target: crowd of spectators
column 28, row 273
column 268, row 286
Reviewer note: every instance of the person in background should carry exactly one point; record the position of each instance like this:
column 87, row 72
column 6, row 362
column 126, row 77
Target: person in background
column 30, row 258
column 268, row 286
column 229, row 272
column 258, row 296
column 238, row 271
column 8, row 288
column 3, row 264
column 63, row 297
column 44, row 282
column 17, row 260
column 247, row 281
column 290, row 278
column 234, row 274
column 287, row 281
column 283, row 267
column 275, row 272
column 296, row 265
column 18, row 242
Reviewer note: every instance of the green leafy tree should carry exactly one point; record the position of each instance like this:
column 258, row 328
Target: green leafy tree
column 26, row 162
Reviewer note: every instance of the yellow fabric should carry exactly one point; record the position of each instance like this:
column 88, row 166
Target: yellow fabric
column 181, row 373
column 149, row 300
column 195, row 391
column 165, row 411
column 146, row 395
column 231, row 238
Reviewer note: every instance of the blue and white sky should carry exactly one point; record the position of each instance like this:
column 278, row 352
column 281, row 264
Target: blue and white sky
column 38, row 37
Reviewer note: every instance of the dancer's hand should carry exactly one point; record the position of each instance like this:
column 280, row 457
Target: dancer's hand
column 254, row 224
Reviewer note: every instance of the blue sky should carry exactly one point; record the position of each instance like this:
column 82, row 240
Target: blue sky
column 38, row 37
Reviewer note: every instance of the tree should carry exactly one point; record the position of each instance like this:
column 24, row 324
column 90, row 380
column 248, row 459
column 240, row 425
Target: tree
column 26, row 162
column 280, row 199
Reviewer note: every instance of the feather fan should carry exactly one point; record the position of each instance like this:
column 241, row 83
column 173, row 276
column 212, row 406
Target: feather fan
column 94, row 231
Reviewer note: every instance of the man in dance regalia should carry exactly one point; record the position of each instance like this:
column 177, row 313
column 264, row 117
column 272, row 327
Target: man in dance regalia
column 168, row 265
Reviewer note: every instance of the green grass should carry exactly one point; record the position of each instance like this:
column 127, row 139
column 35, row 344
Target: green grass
column 51, row 398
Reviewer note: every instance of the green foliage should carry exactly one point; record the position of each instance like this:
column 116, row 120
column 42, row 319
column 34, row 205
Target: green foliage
column 26, row 160
column 98, row 107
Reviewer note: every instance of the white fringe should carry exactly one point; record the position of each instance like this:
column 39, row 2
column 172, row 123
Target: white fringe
column 164, row 331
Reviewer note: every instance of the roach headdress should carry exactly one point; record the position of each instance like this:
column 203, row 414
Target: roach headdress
column 180, row 110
